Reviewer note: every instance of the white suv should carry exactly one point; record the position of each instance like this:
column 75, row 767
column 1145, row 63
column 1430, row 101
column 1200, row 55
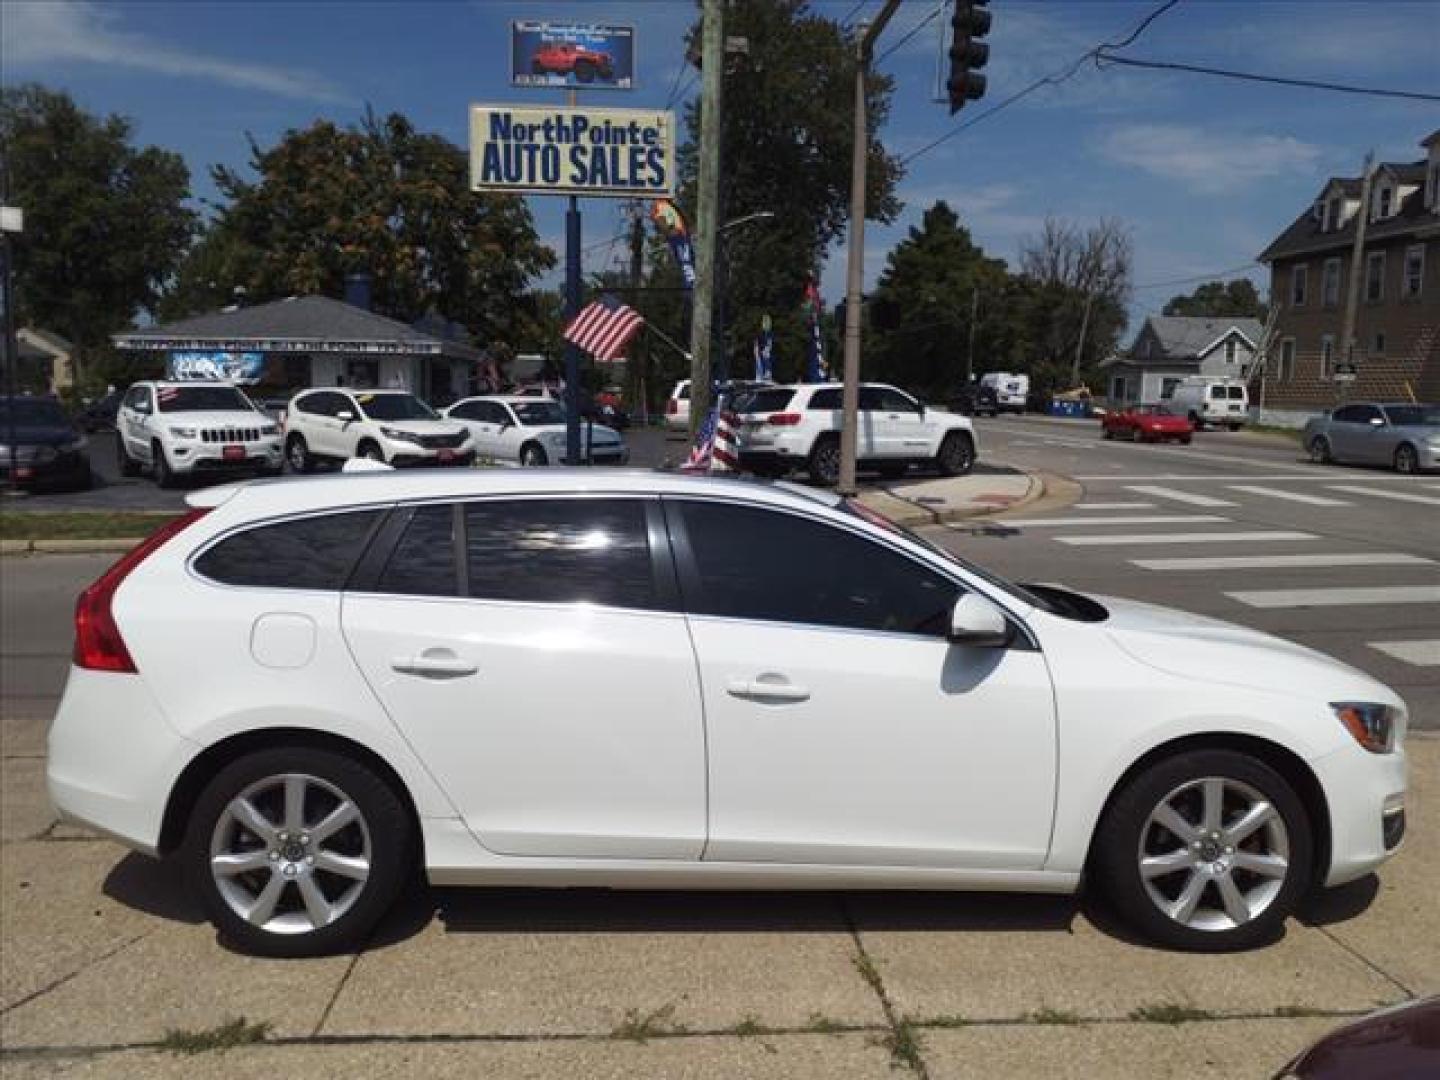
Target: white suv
column 181, row 428
column 792, row 427
column 392, row 426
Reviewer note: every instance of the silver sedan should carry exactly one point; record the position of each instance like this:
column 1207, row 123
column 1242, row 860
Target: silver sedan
column 1404, row 436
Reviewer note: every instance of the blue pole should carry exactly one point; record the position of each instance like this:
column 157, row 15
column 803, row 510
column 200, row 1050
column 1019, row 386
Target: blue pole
column 572, row 352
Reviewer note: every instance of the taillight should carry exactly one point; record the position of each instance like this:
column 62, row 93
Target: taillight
column 783, row 419
column 671, row 407
column 98, row 644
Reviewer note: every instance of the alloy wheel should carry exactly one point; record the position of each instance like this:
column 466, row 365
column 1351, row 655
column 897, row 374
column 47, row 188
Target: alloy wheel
column 1405, row 460
column 827, row 461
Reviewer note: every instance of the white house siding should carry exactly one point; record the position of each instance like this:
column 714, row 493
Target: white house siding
column 1213, row 363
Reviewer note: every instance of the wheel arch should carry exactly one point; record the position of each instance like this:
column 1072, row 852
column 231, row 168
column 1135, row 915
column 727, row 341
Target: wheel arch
column 1283, row 760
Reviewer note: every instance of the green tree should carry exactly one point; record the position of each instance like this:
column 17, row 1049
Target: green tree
column 379, row 197
column 785, row 149
column 1233, row 299
column 928, row 286
column 105, row 221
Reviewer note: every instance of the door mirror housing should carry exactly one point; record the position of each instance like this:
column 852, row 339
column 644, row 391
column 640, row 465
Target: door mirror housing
column 345, row 415
column 977, row 623
column 1377, row 421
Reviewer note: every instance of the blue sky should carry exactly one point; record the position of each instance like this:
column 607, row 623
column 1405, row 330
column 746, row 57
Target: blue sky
column 1204, row 172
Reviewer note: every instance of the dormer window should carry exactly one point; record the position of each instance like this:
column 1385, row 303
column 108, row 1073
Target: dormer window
column 1230, row 351
column 1332, row 215
column 1384, row 202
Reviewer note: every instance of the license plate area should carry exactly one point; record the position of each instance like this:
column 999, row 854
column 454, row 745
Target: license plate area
column 232, row 452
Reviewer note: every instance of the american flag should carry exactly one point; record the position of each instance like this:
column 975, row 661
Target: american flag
column 714, row 449
column 604, row 327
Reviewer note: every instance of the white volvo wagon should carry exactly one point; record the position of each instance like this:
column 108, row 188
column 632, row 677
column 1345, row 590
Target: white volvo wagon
column 310, row 689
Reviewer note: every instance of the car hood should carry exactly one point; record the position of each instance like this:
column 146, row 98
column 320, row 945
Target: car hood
column 38, row 435
column 425, row 427
column 1221, row 653
column 214, row 418
column 600, row 435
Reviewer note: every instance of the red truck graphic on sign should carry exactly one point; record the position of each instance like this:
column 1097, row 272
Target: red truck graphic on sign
column 562, row 59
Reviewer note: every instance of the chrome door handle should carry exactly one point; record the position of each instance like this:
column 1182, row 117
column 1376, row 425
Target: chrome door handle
column 434, row 664
column 762, row 689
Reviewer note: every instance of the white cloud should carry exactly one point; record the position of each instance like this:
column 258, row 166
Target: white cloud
column 40, row 36
column 1209, row 162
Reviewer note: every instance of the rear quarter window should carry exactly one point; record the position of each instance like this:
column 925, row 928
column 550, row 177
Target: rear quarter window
column 756, row 401
column 304, row 553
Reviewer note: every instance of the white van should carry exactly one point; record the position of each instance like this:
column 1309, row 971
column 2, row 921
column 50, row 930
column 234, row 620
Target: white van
column 1211, row 400
column 1011, row 390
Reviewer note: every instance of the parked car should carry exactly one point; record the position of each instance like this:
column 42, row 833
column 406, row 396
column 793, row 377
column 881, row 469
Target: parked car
column 1207, row 399
column 100, row 414
column 397, row 669
column 47, row 448
column 1146, row 423
column 564, row 58
column 677, row 407
column 781, row 428
column 532, row 431
column 1404, row 436
column 1401, row 1042
column 1011, row 390
column 178, row 429
column 390, row 426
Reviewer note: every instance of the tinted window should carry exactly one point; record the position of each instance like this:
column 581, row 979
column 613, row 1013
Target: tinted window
column 395, row 407
column 763, row 401
column 1350, row 414
column 307, row 553
column 202, row 399
column 1217, row 392
column 326, row 403
column 825, row 399
column 423, row 562
column 1237, row 393
column 1405, row 415
column 468, row 410
column 560, row 551
column 534, row 413
column 762, row 564
column 890, row 400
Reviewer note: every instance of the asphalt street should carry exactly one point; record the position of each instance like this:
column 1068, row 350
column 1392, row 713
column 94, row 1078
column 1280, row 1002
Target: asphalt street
column 1237, row 527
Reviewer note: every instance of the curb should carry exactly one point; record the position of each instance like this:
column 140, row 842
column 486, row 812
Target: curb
column 118, row 545
column 913, row 513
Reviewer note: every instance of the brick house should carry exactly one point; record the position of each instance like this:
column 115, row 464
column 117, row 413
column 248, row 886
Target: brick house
column 1397, row 325
column 1170, row 347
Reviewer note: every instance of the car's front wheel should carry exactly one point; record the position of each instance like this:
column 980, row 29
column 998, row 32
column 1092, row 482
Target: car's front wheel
column 532, row 455
column 1209, row 850
column 1406, row 460
column 1319, row 450
column 297, row 454
column 298, row 851
column 957, row 455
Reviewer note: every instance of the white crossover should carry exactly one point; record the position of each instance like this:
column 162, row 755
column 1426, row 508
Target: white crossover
column 531, row 431
column 390, row 426
column 308, row 689
column 181, row 428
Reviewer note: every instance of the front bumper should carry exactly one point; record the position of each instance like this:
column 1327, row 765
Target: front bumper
column 67, row 466
column 1427, row 456
column 1366, row 797
column 191, row 457
column 419, row 457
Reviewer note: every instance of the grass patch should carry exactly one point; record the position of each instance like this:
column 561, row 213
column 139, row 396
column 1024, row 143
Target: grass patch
column 822, row 1024
column 869, row 972
column 1170, row 1012
column 749, row 1027
column 903, row 1042
column 79, row 524
column 951, row 1020
column 1048, row 1015
column 224, row 1037
column 641, row 1027
column 1293, row 1012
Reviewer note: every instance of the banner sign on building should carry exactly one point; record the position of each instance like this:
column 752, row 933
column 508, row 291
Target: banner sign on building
column 572, row 151
column 572, row 55
column 234, row 367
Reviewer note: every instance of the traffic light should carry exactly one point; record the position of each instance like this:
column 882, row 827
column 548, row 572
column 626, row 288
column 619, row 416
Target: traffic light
column 968, row 25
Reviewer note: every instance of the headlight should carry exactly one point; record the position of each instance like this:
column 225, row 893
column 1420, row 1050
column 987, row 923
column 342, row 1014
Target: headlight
column 399, row 436
column 1373, row 725
column 182, row 432
column 269, row 429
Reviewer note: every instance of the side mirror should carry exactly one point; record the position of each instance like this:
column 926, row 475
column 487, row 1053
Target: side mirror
column 1376, row 421
column 346, row 415
column 979, row 624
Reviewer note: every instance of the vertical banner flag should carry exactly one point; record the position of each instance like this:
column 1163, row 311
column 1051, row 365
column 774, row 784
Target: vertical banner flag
column 671, row 224
column 815, row 345
column 765, row 351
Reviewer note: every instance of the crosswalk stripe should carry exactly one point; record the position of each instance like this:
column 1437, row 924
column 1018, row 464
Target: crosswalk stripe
column 1183, row 538
column 1339, row 597
column 1419, row 653
column 1113, row 506
column 1292, row 496
column 1428, row 500
column 1280, row 562
column 1179, row 496
column 1123, row 519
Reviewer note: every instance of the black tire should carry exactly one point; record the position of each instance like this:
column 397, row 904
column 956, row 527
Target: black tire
column 384, row 821
column 532, row 455
column 164, row 475
column 370, row 450
column 128, row 465
column 585, row 71
column 1185, row 440
column 1319, row 450
column 297, row 454
column 1406, row 460
column 823, row 463
column 537, row 68
column 1126, row 826
column 1107, row 434
column 957, row 454
column 1197, row 423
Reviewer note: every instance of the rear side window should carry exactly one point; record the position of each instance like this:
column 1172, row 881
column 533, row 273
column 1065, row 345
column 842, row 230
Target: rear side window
column 827, row 399
column 767, row 401
column 1237, row 393
column 423, row 562
column 560, row 551
column 306, row 553
column 1218, row 393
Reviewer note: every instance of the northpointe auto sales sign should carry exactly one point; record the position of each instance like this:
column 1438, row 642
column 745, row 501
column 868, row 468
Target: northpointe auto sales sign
column 572, row 151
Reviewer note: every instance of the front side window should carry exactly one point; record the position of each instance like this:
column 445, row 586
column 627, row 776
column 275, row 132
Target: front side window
column 1299, row 277
column 777, row 567
column 395, row 407
column 825, row 400
column 1375, row 277
column 537, row 413
column 1350, row 414
column 175, row 399
column 560, row 551
column 888, row 399
column 304, row 553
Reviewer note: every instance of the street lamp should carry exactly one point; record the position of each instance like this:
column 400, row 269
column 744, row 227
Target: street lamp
column 723, row 268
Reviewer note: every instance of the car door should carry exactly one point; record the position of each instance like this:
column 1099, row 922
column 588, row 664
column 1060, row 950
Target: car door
column 473, row 415
column 533, row 654
column 902, row 431
column 1374, row 437
column 842, row 726
column 1345, row 433
column 869, row 431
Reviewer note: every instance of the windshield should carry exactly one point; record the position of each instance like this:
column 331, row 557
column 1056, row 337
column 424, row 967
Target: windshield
column 395, row 407
column 532, row 413
column 202, row 399
column 1409, row 415
column 32, row 412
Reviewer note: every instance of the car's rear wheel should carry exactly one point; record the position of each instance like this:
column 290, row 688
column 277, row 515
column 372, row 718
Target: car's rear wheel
column 297, row 454
column 824, row 463
column 1107, row 433
column 298, row 851
column 956, row 456
column 1406, row 460
column 1185, row 440
column 585, row 71
column 1208, row 850
column 532, row 455
column 1319, row 450
column 370, row 451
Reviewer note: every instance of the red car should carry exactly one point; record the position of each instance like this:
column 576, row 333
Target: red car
column 562, row 58
column 1146, row 423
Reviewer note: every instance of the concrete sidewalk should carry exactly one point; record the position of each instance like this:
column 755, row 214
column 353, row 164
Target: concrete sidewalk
column 990, row 489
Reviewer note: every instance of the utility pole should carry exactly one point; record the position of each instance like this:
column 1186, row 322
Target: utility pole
column 572, row 308
column 1357, row 267
column 712, row 67
column 1080, row 345
column 970, row 349
column 637, row 268
column 855, row 262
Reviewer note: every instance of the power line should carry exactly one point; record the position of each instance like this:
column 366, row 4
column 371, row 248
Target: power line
column 1102, row 57
column 910, row 34
column 859, row 4
column 1141, row 27
column 1209, row 276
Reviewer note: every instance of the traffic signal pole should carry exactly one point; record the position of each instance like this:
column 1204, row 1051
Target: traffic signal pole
column 707, row 233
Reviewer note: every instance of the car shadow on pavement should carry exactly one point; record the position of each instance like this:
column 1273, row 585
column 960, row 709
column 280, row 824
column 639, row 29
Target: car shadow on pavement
column 153, row 886
column 1327, row 907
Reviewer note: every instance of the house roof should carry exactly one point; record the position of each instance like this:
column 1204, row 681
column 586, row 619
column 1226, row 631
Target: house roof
column 1188, row 337
column 292, row 324
column 1431, row 139
column 1304, row 234
column 46, row 339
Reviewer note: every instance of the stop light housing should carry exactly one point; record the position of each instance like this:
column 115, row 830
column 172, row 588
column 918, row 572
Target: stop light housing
column 968, row 25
